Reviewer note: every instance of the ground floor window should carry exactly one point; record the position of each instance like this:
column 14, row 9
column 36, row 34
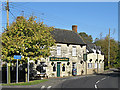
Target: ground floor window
column 99, row 65
column 74, row 65
column 54, row 67
column 89, row 65
column 63, row 67
column 95, row 65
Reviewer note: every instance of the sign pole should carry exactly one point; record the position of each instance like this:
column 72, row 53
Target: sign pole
column 7, row 73
column 28, row 69
column 17, row 72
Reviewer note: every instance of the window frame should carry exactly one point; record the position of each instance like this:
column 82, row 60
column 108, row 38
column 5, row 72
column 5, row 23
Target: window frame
column 95, row 65
column 58, row 50
column 54, row 69
column 74, row 51
column 89, row 65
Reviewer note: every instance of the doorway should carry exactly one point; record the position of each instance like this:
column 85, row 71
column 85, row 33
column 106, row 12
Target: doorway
column 58, row 69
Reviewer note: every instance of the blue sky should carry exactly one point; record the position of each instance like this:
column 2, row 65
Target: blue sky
column 91, row 17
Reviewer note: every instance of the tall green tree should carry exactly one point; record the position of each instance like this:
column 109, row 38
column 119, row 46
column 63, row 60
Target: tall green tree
column 28, row 38
column 113, row 49
column 86, row 37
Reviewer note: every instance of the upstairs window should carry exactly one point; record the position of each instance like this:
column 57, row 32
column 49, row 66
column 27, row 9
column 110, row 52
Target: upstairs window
column 58, row 50
column 74, row 51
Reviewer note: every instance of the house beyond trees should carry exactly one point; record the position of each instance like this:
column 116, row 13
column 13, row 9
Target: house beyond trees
column 67, row 56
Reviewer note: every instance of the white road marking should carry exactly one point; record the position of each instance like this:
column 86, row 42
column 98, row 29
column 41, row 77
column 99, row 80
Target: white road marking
column 95, row 86
column 97, row 81
column 49, row 87
column 42, row 87
column 103, row 78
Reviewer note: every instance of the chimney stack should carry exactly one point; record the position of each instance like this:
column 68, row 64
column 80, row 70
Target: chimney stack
column 74, row 28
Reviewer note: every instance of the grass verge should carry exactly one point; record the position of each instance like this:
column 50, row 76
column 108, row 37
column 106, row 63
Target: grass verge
column 26, row 83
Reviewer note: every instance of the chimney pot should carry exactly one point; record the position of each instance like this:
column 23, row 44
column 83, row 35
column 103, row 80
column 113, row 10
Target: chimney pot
column 74, row 28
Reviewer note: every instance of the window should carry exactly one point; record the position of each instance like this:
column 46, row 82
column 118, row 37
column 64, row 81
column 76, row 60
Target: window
column 54, row 68
column 58, row 50
column 74, row 65
column 95, row 65
column 63, row 68
column 99, row 65
column 89, row 65
column 74, row 51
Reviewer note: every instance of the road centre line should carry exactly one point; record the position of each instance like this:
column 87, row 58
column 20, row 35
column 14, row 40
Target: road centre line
column 95, row 86
column 42, row 87
column 49, row 87
column 99, row 81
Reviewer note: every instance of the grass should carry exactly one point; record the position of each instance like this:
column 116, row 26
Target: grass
column 26, row 83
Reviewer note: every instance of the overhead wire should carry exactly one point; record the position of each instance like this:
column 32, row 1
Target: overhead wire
column 37, row 13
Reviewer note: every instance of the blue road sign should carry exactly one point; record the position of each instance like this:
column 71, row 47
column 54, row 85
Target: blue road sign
column 17, row 56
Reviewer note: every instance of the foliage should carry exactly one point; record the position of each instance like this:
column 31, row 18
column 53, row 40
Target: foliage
column 86, row 37
column 113, row 49
column 28, row 38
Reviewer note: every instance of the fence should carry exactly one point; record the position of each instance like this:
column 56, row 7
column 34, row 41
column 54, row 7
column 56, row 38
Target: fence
column 21, row 74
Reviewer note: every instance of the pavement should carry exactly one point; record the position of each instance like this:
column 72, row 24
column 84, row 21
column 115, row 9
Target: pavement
column 55, row 82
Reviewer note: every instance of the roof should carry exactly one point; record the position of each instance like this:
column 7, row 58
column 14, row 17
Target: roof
column 89, row 49
column 67, row 36
column 93, row 46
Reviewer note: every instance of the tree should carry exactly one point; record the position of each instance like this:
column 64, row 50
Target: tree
column 27, row 38
column 113, row 49
column 86, row 37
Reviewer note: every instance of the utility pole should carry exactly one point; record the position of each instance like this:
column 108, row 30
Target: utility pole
column 8, row 63
column 109, row 49
column 7, row 8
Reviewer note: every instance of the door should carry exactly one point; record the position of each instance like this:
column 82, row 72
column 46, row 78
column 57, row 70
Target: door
column 58, row 69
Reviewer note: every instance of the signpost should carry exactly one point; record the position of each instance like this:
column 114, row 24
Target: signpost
column 8, row 72
column 17, row 57
column 28, row 69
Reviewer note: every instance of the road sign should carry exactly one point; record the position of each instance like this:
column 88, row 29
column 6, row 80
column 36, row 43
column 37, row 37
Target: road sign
column 17, row 56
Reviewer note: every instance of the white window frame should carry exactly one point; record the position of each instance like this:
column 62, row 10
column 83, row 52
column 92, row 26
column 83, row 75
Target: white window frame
column 89, row 65
column 95, row 65
column 99, row 65
column 74, row 51
column 58, row 49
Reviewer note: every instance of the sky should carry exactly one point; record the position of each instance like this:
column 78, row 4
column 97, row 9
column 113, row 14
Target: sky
column 90, row 17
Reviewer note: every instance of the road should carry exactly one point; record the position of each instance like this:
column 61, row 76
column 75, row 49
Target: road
column 109, row 80
column 105, row 80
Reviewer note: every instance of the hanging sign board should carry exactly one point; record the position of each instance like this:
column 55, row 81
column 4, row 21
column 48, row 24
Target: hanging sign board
column 59, row 59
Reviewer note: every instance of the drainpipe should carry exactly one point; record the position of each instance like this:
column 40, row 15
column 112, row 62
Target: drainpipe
column 97, row 63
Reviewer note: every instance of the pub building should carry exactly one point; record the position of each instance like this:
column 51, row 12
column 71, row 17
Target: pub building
column 68, row 57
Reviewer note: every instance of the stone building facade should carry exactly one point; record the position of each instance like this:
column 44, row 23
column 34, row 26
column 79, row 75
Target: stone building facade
column 95, row 59
column 68, row 56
